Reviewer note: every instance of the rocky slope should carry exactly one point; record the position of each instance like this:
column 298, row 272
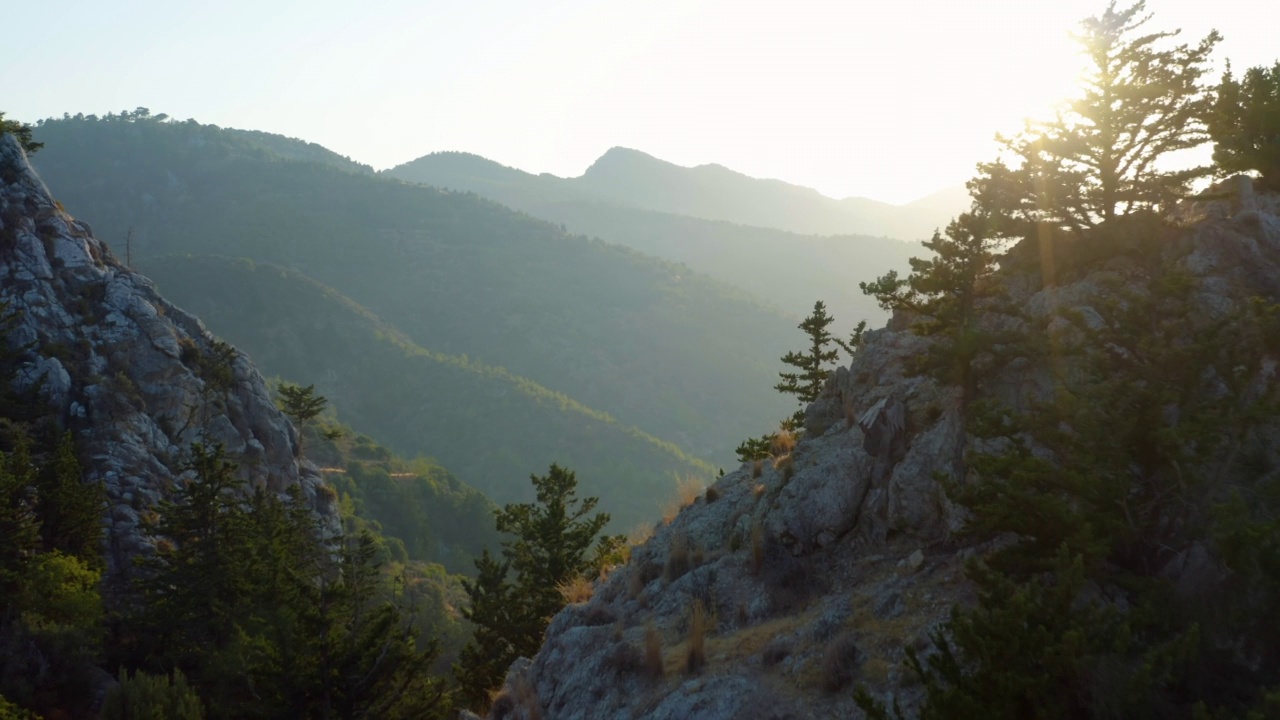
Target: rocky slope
column 816, row 570
column 136, row 379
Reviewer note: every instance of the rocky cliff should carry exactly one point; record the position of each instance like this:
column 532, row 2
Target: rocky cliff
column 135, row 379
column 812, row 573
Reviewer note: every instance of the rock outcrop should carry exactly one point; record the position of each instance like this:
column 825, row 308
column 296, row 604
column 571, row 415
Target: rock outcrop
column 136, row 379
column 818, row 569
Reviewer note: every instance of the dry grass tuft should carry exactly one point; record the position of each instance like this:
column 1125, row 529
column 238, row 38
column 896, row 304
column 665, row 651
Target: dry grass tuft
column 696, row 656
column 839, row 663
column 652, row 651
column 782, row 442
column 758, row 491
column 576, row 590
column 786, row 465
column 757, row 468
column 678, row 560
column 688, row 490
column 712, row 494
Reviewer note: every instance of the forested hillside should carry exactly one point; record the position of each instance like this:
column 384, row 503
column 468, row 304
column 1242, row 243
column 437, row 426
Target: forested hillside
column 486, row 425
column 750, row 257
column 649, row 342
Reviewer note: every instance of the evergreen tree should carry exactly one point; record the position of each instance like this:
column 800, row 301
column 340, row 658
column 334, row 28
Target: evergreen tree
column 70, row 509
column 946, row 295
column 20, row 130
column 1098, row 159
column 195, row 586
column 371, row 664
column 300, row 403
column 494, row 611
column 551, row 543
column 268, row 618
column 1245, row 123
column 811, row 366
column 19, row 526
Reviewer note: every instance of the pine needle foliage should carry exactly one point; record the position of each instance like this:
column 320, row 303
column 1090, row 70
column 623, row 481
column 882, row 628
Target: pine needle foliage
column 1245, row 123
column 551, row 541
column 1141, row 98
column 300, row 403
column 812, row 366
column 946, row 296
column 22, row 132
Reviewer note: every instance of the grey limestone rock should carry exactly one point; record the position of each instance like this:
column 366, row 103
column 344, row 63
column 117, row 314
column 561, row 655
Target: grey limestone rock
column 116, row 365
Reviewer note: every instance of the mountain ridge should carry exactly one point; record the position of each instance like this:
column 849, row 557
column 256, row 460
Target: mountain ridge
column 634, row 178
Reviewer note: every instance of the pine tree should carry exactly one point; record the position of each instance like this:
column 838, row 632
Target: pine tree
column 19, row 526
column 551, row 542
column 811, row 366
column 1098, row 159
column 195, row 587
column 70, row 509
column 300, row 403
column 494, row 611
column 945, row 295
column 1245, row 123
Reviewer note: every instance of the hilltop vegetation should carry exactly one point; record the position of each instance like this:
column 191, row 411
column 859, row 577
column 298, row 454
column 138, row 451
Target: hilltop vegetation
column 648, row 342
column 483, row 423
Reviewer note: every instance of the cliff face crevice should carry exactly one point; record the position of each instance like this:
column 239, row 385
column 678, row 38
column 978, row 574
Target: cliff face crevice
column 849, row 544
column 135, row 379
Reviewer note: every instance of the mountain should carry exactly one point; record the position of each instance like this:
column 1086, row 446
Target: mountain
column 630, row 178
column 660, row 209
column 486, row 425
column 649, row 342
column 1108, row 494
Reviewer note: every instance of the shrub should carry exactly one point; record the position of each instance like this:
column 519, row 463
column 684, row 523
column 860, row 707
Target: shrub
column 9, row 711
column 152, row 697
column 576, row 589
column 712, row 494
column 696, row 656
column 839, row 663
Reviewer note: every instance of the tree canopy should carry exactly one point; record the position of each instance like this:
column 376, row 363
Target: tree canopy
column 1245, row 123
column 551, row 542
column 1141, row 98
column 20, row 130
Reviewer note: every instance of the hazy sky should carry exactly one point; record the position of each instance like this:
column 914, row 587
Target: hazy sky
column 890, row 99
